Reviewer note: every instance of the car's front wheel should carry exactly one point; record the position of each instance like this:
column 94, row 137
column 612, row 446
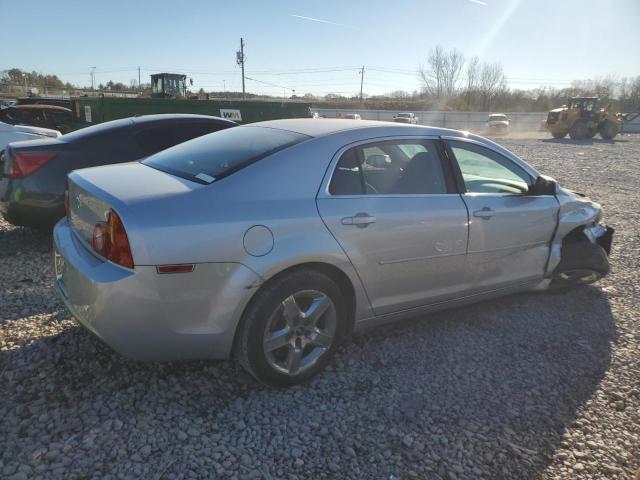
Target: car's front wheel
column 291, row 328
column 582, row 263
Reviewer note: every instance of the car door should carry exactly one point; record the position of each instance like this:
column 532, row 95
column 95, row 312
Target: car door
column 510, row 230
column 392, row 205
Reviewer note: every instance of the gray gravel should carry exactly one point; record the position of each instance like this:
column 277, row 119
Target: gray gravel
column 529, row 386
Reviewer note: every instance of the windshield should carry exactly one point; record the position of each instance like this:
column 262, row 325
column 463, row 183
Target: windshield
column 211, row 157
column 497, row 117
column 404, row 115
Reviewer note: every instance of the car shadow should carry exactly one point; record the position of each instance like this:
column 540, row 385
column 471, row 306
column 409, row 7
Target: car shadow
column 23, row 239
column 491, row 386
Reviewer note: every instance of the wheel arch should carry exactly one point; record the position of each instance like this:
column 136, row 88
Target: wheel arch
column 335, row 273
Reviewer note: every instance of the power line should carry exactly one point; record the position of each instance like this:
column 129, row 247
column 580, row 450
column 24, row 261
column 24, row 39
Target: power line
column 268, row 83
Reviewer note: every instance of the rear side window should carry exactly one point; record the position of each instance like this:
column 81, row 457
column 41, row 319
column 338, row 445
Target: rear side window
column 402, row 167
column 222, row 153
column 155, row 139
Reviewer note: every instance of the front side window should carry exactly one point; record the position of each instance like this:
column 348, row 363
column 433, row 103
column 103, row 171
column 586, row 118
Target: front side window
column 390, row 168
column 486, row 171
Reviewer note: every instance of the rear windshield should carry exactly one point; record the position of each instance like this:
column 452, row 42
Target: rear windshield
column 211, row 157
column 497, row 117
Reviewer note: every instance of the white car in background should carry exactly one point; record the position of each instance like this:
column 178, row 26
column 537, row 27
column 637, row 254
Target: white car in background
column 17, row 133
column 498, row 124
column 405, row 117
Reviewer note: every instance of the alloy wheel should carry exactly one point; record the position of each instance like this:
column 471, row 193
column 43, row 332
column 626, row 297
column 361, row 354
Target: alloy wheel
column 300, row 331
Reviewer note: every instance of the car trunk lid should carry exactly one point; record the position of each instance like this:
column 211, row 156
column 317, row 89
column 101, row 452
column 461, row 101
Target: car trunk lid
column 28, row 148
column 123, row 187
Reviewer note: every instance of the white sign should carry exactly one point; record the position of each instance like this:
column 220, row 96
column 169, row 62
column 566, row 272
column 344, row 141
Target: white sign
column 87, row 113
column 231, row 114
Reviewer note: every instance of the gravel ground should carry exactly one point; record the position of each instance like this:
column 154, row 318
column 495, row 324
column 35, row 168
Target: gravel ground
column 529, row 386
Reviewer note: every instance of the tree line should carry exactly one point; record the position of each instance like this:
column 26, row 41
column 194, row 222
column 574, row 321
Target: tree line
column 453, row 82
column 449, row 81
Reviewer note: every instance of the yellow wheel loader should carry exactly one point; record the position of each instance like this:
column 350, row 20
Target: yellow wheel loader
column 581, row 118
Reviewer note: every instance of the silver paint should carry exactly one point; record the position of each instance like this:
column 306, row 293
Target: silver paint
column 402, row 254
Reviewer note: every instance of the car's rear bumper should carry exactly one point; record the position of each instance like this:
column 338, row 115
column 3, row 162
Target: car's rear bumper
column 147, row 316
column 29, row 209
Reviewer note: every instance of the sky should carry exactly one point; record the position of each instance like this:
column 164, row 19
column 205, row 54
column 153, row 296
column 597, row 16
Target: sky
column 318, row 46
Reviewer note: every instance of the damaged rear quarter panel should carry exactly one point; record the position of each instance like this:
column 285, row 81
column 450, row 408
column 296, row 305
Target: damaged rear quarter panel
column 575, row 211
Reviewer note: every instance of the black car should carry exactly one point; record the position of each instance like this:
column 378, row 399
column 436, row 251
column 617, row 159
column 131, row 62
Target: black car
column 35, row 115
column 33, row 174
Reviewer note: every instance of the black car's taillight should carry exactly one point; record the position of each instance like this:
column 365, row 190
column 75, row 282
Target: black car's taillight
column 23, row 164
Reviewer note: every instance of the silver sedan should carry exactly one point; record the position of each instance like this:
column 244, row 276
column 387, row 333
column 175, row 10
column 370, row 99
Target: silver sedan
column 272, row 242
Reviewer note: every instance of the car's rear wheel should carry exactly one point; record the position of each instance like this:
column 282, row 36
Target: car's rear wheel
column 291, row 328
column 559, row 134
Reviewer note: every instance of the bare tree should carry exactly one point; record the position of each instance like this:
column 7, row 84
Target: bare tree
column 453, row 65
column 473, row 74
column 441, row 74
column 492, row 82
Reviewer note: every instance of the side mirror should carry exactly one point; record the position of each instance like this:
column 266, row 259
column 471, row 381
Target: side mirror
column 543, row 186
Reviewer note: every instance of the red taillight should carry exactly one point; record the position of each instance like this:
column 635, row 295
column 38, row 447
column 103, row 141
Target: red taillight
column 24, row 164
column 110, row 240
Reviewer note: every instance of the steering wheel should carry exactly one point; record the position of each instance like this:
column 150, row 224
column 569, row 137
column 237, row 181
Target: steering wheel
column 371, row 187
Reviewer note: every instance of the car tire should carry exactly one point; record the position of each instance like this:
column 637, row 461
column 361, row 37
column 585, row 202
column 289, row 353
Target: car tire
column 558, row 134
column 581, row 263
column 281, row 342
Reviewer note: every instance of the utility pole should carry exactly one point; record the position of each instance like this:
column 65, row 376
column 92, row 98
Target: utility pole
column 361, row 82
column 240, row 59
column 93, row 76
column 139, row 79
column 224, row 87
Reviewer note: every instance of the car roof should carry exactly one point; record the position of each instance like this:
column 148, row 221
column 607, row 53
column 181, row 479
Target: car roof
column 157, row 117
column 39, row 106
column 318, row 127
column 112, row 125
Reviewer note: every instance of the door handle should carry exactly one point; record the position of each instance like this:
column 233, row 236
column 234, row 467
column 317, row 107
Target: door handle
column 486, row 212
column 360, row 220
